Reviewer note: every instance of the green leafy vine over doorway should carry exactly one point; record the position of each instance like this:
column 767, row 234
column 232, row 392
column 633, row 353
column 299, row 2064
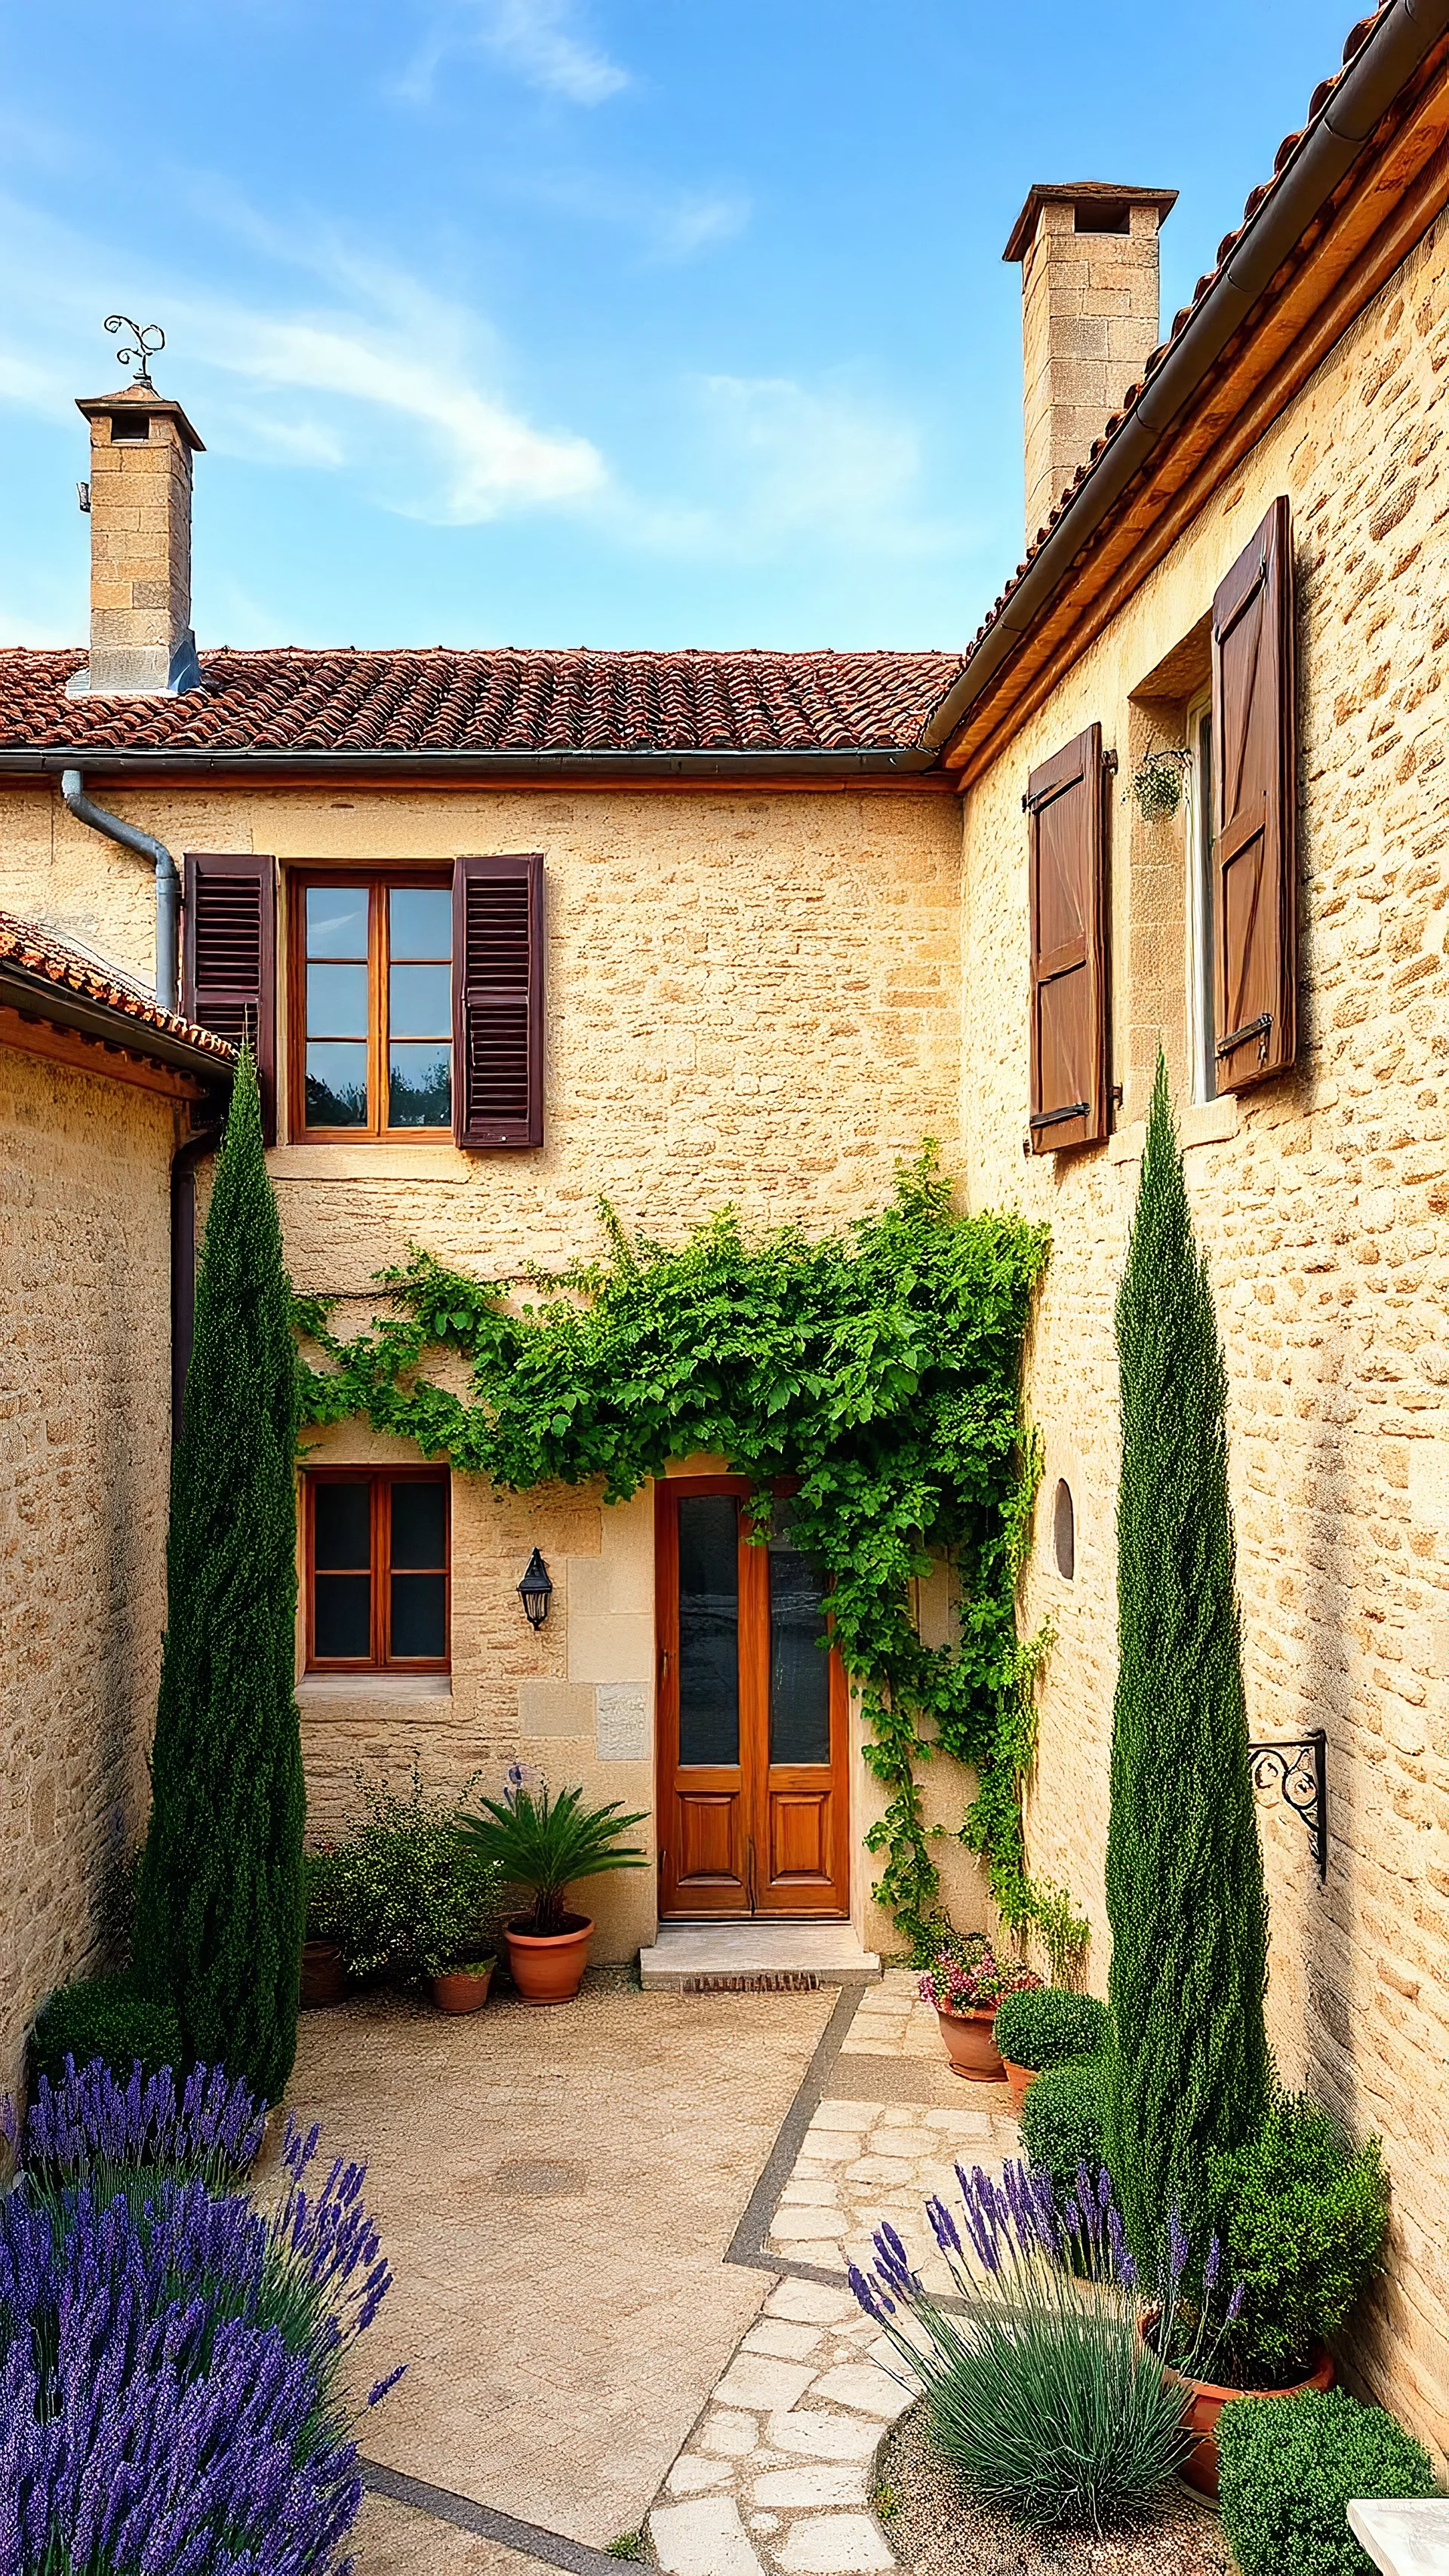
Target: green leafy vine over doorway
column 880, row 1368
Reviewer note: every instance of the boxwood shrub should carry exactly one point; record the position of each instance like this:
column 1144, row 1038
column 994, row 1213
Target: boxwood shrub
column 1043, row 2026
column 109, row 2018
column 1289, row 2467
column 1061, row 2119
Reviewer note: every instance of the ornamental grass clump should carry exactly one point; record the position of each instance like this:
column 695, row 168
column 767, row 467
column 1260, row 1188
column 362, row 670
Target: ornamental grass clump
column 1043, row 2394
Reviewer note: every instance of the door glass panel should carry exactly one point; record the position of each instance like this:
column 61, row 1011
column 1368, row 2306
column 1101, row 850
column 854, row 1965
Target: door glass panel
column 709, row 1619
column 799, row 1665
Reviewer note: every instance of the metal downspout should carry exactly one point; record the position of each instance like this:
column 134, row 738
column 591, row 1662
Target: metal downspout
column 145, row 846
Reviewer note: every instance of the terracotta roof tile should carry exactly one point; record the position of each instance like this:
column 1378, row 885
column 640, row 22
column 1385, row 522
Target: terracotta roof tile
column 38, row 952
column 299, row 701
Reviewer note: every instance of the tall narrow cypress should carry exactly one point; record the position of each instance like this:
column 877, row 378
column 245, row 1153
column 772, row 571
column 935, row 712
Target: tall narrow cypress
column 219, row 1908
column 1190, row 2069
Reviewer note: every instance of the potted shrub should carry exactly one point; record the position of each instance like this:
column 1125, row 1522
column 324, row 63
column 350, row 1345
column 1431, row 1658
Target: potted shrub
column 457, row 1929
column 547, row 1844
column 324, row 1974
column 965, row 1993
column 1041, row 2026
column 407, row 1900
column 1302, row 2216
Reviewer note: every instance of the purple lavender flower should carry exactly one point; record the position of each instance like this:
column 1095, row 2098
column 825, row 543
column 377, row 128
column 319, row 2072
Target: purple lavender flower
column 1235, row 2303
column 1212, row 2266
column 1178, row 2247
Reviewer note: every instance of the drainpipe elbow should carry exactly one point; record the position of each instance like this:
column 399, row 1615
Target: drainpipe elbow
column 128, row 836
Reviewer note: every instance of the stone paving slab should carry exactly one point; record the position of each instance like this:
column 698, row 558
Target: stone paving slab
column 561, row 2329
column 391, row 2541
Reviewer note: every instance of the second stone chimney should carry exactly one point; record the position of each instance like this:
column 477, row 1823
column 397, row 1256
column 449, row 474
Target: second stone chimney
column 1089, row 320
column 139, row 497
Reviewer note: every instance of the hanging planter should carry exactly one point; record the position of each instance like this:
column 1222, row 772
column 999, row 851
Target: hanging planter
column 1156, row 784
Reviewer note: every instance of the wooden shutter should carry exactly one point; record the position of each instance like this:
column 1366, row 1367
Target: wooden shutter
column 229, row 957
column 1255, row 888
column 498, row 1002
column 1066, row 802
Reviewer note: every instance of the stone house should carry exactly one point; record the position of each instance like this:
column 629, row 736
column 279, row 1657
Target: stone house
column 515, row 928
column 104, row 1103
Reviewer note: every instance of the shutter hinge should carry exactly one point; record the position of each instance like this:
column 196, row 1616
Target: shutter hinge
column 1055, row 1117
column 1259, row 1029
column 1115, row 1095
column 1109, row 763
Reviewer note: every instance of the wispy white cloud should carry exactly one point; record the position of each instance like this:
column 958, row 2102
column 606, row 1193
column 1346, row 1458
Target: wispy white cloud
column 370, row 373
column 787, row 461
column 540, row 41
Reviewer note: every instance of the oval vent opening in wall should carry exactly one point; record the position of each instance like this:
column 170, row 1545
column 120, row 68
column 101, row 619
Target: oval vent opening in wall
column 1064, row 1530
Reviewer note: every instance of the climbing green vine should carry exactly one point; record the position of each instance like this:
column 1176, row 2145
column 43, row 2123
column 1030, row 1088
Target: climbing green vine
column 879, row 1368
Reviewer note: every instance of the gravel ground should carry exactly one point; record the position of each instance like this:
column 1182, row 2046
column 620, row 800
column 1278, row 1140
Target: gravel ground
column 937, row 2531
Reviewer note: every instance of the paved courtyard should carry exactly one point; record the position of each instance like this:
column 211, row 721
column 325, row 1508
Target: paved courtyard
column 589, row 2328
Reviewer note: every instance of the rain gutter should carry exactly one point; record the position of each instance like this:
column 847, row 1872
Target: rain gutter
column 898, row 760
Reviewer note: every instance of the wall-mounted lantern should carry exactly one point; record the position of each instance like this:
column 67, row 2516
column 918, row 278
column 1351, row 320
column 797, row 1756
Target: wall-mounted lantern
column 536, row 1591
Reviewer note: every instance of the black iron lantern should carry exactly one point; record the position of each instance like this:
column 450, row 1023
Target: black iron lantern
column 536, row 1591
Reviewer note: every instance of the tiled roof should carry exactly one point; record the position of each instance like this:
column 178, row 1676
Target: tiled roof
column 38, row 953
column 1258, row 197
column 296, row 701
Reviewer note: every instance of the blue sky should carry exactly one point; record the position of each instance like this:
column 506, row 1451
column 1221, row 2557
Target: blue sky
column 583, row 321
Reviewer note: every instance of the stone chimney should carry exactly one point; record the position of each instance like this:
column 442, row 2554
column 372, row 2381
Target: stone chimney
column 139, row 498
column 1089, row 320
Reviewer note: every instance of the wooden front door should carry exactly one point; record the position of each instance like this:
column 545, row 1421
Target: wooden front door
column 753, row 1802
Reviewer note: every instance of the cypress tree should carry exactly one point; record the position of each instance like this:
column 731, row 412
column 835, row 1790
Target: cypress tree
column 220, row 1907
column 1189, row 2073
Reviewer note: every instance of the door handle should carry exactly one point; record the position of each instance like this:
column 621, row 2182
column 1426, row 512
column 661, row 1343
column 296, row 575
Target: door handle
column 750, row 1873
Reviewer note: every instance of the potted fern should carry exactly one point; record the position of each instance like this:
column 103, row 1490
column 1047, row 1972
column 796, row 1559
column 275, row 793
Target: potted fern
column 547, row 1844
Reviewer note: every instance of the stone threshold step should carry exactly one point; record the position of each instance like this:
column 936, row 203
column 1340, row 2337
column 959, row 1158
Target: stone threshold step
column 699, row 1958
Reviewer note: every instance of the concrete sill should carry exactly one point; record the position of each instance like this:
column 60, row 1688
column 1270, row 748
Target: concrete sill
column 379, row 1162
column 315, row 1687
column 1201, row 1122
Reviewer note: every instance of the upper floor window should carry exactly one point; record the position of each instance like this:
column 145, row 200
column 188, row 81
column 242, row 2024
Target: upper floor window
column 373, row 1043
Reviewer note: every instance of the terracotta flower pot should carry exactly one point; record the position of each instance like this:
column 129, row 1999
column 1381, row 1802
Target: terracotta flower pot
column 1019, row 2081
column 969, row 2045
column 324, row 1979
column 1200, row 2468
column 463, row 1990
column 548, row 1967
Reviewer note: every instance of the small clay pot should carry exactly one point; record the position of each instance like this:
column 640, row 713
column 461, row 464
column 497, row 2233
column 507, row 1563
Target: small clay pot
column 324, row 1979
column 463, row 1990
column 970, row 2046
column 1019, row 2081
column 1200, row 2468
column 548, row 1967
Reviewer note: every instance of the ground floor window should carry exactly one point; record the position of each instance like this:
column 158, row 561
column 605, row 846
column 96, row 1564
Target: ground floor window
column 377, row 1570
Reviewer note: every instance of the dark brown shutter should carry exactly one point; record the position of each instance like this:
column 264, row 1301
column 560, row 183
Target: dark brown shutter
column 1066, row 803
column 229, row 957
column 1255, row 887
column 498, row 1002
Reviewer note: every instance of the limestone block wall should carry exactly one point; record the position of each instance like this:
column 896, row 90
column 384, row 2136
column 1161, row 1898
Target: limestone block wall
column 85, row 1458
column 750, row 998
column 1321, row 1201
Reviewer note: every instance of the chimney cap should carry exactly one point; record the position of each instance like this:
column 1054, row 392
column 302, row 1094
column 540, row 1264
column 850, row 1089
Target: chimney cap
column 134, row 398
column 1080, row 192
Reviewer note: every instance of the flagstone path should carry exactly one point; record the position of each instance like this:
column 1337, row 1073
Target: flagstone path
column 779, row 2473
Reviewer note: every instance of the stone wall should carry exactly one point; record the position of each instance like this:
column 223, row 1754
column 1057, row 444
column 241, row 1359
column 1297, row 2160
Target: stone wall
column 1321, row 1201
column 84, row 1467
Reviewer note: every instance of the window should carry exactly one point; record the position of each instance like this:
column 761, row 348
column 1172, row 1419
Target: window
column 1064, row 1531
column 377, row 1570
column 1202, row 1024
column 374, row 1029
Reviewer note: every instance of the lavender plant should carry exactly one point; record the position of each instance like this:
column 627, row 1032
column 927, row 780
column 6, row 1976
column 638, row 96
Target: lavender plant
column 1042, row 2391
column 171, row 2357
column 119, row 2137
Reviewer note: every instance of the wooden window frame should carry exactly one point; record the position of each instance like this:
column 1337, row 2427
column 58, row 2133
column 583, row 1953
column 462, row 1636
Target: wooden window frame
column 380, row 1481
column 378, row 876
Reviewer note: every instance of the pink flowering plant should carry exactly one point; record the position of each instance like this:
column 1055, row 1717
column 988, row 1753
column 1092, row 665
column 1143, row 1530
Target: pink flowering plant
column 960, row 1985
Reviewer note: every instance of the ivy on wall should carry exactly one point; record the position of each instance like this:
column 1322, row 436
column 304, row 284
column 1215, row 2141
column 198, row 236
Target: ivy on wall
column 880, row 1368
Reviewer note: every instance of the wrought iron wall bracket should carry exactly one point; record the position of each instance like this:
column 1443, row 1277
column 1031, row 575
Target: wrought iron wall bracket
column 1298, row 1765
